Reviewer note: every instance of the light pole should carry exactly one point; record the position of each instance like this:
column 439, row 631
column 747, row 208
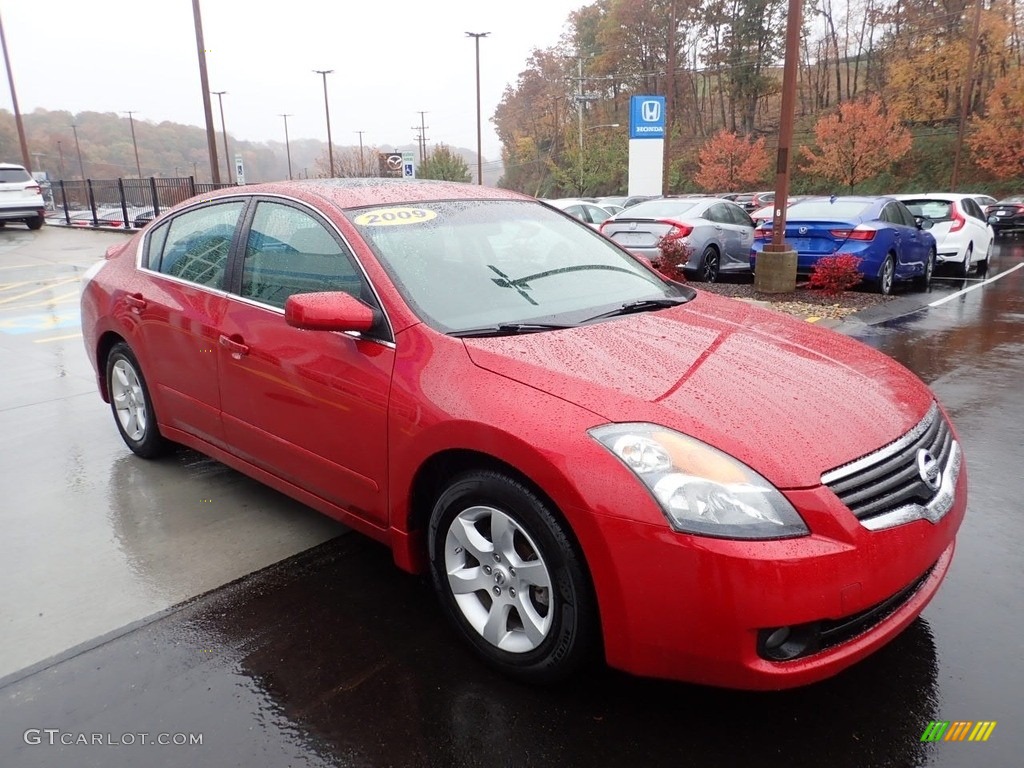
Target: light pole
column 14, row 100
column 479, row 144
column 224, row 130
column 327, row 111
column 131, row 122
column 287, row 146
column 362, row 165
column 78, row 149
column 60, row 153
column 204, row 81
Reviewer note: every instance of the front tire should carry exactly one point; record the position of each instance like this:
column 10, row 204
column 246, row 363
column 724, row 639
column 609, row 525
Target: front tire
column 131, row 404
column 510, row 579
column 887, row 275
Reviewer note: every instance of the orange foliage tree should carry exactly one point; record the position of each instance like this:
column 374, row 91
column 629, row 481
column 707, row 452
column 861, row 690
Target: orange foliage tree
column 729, row 162
column 856, row 143
column 998, row 138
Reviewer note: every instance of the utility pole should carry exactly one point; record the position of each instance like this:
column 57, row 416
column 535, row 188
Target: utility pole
column 968, row 88
column 78, row 149
column 14, row 101
column 287, row 146
column 423, row 136
column 131, row 122
column 670, row 92
column 204, row 81
column 60, row 153
column 362, row 165
column 327, row 110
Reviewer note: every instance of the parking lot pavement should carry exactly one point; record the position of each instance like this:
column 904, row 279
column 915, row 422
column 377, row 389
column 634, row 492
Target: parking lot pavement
column 92, row 538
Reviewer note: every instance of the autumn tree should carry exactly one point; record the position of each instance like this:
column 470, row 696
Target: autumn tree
column 729, row 162
column 856, row 143
column 998, row 138
column 444, row 165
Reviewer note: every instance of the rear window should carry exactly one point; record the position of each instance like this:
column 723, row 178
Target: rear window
column 13, row 175
column 823, row 209
column 936, row 210
column 655, row 209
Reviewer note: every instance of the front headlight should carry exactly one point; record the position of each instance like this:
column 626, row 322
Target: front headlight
column 700, row 489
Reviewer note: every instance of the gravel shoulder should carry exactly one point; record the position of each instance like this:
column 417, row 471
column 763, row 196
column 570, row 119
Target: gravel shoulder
column 805, row 303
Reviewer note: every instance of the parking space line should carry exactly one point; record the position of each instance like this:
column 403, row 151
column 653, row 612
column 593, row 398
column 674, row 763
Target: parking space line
column 10, row 286
column 969, row 288
column 64, row 298
column 57, row 338
column 40, row 290
column 21, row 266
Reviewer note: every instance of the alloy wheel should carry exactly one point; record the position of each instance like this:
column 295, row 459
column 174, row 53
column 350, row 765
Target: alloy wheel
column 129, row 400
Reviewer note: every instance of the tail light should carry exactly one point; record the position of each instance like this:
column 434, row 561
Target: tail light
column 958, row 221
column 678, row 230
column 34, row 188
column 762, row 234
column 857, row 233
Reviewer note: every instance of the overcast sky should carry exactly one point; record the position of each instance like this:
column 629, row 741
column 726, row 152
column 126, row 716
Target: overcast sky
column 390, row 60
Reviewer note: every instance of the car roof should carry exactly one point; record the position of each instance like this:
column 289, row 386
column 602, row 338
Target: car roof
column 937, row 196
column 357, row 193
column 11, row 165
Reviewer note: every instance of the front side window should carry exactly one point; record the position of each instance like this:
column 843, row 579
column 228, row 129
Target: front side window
column 471, row 263
column 291, row 252
column 198, row 243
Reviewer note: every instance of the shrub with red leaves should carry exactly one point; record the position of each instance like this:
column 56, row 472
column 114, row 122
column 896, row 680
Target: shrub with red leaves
column 834, row 274
column 674, row 253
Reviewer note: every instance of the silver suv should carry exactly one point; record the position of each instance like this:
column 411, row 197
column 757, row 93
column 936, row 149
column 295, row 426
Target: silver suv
column 21, row 199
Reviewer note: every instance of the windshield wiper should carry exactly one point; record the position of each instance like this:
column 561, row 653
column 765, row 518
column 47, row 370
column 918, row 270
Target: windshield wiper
column 640, row 305
column 508, row 329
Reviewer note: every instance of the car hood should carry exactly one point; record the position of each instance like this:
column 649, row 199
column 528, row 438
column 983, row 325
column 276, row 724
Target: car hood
column 788, row 399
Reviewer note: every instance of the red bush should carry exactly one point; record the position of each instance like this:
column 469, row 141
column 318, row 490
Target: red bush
column 834, row 274
column 674, row 254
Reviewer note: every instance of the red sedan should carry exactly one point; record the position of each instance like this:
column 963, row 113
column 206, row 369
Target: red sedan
column 586, row 457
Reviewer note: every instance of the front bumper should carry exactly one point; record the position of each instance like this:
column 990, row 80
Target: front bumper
column 695, row 609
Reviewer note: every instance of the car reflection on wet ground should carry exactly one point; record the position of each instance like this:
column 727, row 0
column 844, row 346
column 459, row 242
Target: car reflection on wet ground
column 334, row 657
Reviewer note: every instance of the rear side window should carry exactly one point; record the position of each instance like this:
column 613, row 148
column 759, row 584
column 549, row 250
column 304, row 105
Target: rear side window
column 291, row 252
column 14, row 176
column 197, row 244
column 154, row 248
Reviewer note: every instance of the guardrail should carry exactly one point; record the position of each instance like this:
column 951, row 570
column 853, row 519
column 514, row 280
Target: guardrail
column 122, row 203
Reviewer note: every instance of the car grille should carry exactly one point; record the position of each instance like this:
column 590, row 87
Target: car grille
column 888, row 488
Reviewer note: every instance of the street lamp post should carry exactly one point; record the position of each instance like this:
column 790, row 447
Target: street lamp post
column 78, row 149
column 327, row 110
column 287, row 146
column 135, row 146
column 60, row 154
column 224, row 130
column 479, row 144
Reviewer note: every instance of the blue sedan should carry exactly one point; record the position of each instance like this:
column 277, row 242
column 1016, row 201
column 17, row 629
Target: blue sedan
column 881, row 231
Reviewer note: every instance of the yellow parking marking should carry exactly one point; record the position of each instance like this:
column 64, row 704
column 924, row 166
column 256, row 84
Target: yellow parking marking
column 39, row 290
column 21, row 266
column 10, row 286
column 65, row 298
column 57, row 338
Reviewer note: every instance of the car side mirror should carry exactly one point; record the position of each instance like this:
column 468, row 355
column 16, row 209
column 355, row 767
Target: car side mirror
column 328, row 311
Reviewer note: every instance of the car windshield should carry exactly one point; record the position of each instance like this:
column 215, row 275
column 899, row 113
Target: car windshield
column 473, row 263
column 936, row 210
column 656, row 209
column 827, row 211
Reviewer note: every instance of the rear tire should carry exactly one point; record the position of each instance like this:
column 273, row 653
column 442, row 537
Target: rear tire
column 710, row 263
column 924, row 281
column 35, row 222
column 131, row 404
column 887, row 275
column 964, row 269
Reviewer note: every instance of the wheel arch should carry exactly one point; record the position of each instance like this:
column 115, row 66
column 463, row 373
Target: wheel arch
column 104, row 344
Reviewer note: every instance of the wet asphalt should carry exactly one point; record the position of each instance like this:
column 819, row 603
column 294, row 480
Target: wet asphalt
column 333, row 657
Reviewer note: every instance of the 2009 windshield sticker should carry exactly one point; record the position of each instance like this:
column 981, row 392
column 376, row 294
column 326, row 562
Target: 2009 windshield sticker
column 393, row 217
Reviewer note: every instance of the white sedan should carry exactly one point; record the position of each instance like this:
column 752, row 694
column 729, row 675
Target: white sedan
column 959, row 225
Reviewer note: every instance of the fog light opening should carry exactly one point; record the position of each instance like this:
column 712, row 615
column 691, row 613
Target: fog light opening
column 787, row 643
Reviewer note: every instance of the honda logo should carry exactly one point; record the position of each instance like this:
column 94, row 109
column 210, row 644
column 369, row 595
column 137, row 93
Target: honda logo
column 650, row 111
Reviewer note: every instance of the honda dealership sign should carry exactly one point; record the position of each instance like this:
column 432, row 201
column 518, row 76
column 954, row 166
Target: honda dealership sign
column 647, row 117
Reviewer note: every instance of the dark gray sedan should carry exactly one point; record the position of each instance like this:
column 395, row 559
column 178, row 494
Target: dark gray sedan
column 719, row 233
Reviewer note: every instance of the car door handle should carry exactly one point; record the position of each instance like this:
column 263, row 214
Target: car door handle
column 135, row 301
column 236, row 348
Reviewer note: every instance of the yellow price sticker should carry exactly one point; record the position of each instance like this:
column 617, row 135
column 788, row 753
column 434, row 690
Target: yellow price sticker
column 393, row 217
